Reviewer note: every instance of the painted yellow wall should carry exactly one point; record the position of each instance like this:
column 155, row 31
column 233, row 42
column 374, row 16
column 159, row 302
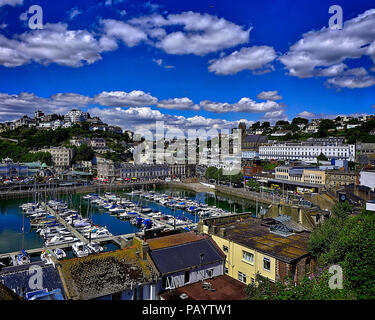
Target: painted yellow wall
column 235, row 263
column 314, row 176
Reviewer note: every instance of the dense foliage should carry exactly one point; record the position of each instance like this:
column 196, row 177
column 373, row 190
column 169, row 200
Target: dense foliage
column 307, row 289
column 33, row 138
column 217, row 174
column 348, row 241
column 253, row 185
column 321, row 157
column 21, row 154
column 83, row 153
column 344, row 240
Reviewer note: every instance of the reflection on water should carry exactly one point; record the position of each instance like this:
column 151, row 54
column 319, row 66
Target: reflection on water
column 11, row 221
column 11, row 217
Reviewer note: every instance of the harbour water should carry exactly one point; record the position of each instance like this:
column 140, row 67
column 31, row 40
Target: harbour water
column 12, row 220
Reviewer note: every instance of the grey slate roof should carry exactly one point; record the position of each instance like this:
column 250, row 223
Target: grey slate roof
column 18, row 278
column 256, row 138
column 186, row 256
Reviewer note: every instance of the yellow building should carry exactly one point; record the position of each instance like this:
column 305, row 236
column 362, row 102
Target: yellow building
column 269, row 247
column 301, row 174
column 282, row 172
column 314, row 176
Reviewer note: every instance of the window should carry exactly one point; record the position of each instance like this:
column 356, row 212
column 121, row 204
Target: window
column 266, row 264
column 241, row 277
column 210, row 273
column 166, row 282
column 247, row 256
column 226, row 270
column 187, row 277
column 225, row 249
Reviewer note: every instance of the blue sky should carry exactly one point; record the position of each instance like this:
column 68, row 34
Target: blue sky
column 188, row 63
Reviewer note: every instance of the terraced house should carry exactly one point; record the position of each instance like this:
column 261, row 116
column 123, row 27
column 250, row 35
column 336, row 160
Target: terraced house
column 185, row 258
column 274, row 248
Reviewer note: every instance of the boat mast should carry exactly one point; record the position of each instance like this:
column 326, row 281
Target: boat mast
column 23, row 229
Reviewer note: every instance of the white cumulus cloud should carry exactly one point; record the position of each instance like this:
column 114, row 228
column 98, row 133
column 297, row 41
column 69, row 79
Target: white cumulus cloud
column 256, row 58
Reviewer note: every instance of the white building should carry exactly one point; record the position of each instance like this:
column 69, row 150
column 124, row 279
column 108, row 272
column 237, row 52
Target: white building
column 45, row 125
column 57, row 124
column 250, row 155
column 351, row 126
column 370, row 205
column 367, row 178
column 80, row 141
column 298, row 151
column 281, row 133
column 75, row 116
column 61, row 157
column 312, row 128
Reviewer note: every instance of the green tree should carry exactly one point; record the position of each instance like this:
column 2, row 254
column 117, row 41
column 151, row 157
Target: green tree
column 324, row 238
column 324, row 126
column 316, row 288
column 83, row 153
column 212, row 173
column 348, row 241
column 256, row 125
column 299, row 120
column 253, row 185
column 356, row 248
column 265, row 125
column 321, row 157
column 282, row 123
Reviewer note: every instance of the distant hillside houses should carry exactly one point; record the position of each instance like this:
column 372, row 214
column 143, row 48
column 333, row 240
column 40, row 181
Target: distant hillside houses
column 54, row 121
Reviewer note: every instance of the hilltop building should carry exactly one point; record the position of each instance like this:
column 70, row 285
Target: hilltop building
column 75, row 116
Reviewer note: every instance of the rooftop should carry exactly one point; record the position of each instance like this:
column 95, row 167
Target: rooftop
column 255, row 234
column 185, row 256
column 224, row 288
column 105, row 273
column 175, row 239
column 7, row 294
column 18, row 278
column 256, row 138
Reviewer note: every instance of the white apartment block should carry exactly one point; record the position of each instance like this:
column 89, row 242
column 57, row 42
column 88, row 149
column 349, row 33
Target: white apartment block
column 306, row 152
column 367, row 178
column 75, row 116
column 61, row 157
column 45, row 125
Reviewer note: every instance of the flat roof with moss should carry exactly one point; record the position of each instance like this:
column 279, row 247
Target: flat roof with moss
column 174, row 240
column 105, row 273
column 255, row 234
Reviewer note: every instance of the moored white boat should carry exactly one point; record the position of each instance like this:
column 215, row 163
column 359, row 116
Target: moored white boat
column 80, row 249
column 95, row 247
column 59, row 253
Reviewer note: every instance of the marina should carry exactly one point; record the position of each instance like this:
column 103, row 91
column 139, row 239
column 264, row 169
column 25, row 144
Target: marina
column 76, row 225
